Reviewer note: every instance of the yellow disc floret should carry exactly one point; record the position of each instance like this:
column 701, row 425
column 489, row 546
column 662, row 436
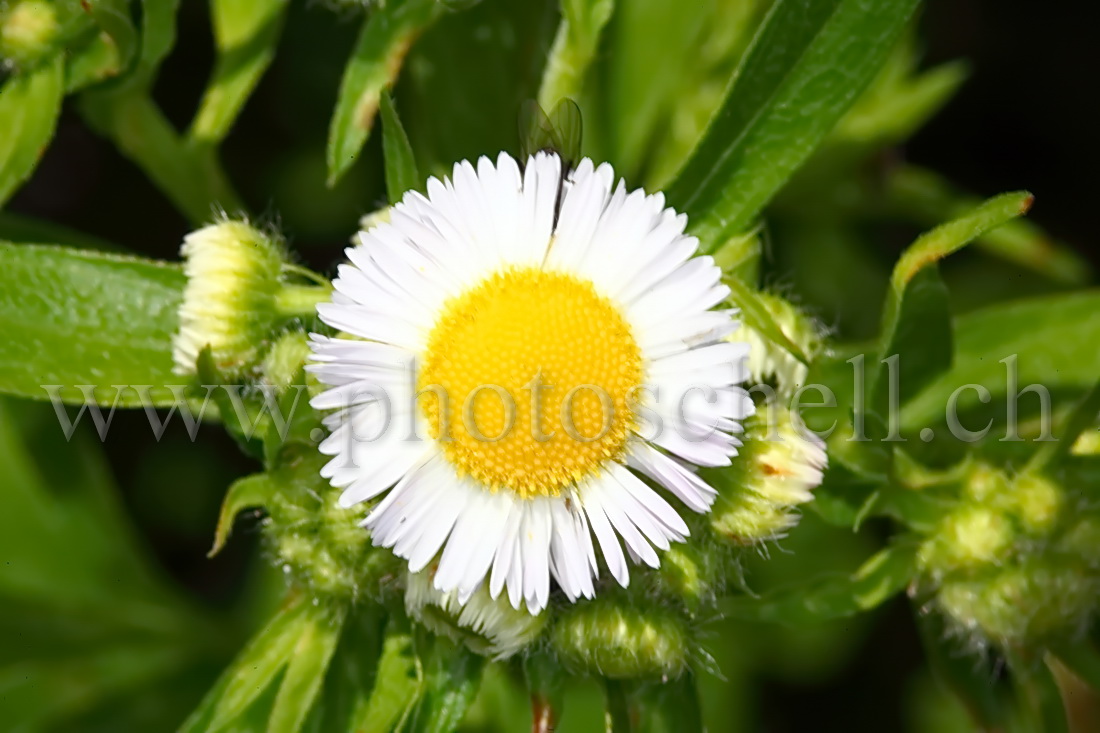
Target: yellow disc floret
column 528, row 380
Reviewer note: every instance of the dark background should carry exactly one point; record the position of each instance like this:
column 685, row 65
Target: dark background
column 1022, row 121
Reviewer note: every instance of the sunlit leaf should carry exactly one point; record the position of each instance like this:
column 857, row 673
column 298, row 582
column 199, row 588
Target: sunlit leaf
column 374, row 64
column 401, row 172
column 29, row 106
column 306, row 671
column 245, row 33
column 806, row 66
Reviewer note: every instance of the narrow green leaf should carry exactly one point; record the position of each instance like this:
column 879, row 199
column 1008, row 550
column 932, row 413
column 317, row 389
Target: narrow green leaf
column 29, row 106
column 925, row 197
column 195, row 183
column 248, row 492
column 1053, row 337
column 374, row 64
column 306, row 671
column 884, row 575
column 401, row 171
column 96, row 61
column 573, row 50
column 397, row 684
column 113, row 16
column 806, row 66
column 1082, row 418
column 757, row 317
column 618, row 706
column 245, row 34
column 452, row 676
column 917, row 317
column 158, row 36
column 87, row 318
column 347, row 689
column 1083, row 659
column 253, row 671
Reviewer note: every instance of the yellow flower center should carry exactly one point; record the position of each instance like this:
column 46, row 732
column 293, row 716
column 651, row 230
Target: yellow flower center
column 528, row 381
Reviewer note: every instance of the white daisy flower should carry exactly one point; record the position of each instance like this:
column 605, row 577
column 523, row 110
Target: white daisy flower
column 522, row 347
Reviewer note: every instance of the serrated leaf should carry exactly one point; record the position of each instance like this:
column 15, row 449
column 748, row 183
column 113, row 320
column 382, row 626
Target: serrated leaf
column 401, row 172
column 306, row 671
column 806, row 66
column 916, row 323
column 87, row 318
column 29, row 106
column 573, row 50
column 884, row 575
column 374, row 64
column 245, row 34
column 1054, row 337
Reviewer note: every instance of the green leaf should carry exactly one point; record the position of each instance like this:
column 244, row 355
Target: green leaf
column 884, row 575
column 351, row 675
column 397, row 684
column 93, row 63
column 925, row 197
column 1082, row 418
column 158, row 35
column 245, row 33
column 374, row 64
column 452, row 675
column 29, row 106
column 1054, row 338
column 306, row 671
column 401, row 171
column 917, row 317
column 87, row 318
column 195, row 183
column 253, row 671
column 757, row 317
column 806, row 66
column 248, row 492
column 113, row 16
column 573, row 50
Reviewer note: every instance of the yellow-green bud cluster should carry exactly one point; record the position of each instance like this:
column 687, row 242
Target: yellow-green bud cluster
column 28, row 31
column 609, row 638
column 229, row 304
column 319, row 544
column 779, row 466
column 487, row 626
column 1011, row 563
column 768, row 362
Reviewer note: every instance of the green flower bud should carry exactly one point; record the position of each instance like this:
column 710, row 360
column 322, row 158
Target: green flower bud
column 1036, row 502
column 285, row 359
column 775, row 473
column 1038, row 599
column 766, row 360
column 985, row 484
column 28, row 30
column 487, row 626
column 686, row 574
column 968, row 537
column 318, row 544
column 605, row 638
column 235, row 296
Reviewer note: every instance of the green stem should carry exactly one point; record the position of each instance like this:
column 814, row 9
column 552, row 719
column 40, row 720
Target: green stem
column 618, row 709
column 191, row 177
column 294, row 301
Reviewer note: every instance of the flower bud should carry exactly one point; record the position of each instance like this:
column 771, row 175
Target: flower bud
column 1037, row 599
column 1036, row 502
column 487, row 626
column 28, row 30
column 776, row 471
column 318, row 544
column 768, row 361
column 970, row 536
column 233, row 272
column 621, row 642
column 285, row 358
